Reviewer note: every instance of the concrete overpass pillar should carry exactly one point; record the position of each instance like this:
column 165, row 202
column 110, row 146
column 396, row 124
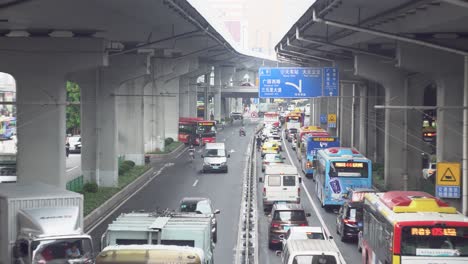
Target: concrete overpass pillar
column 363, row 119
column 345, row 115
column 223, row 76
column 99, row 116
column 40, row 77
column 149, row 117
column 394, row 82
column 130, row 126
column 446, row 70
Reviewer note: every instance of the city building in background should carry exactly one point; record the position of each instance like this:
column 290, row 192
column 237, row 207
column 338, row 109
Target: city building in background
column 257, row 25
column 7, row 94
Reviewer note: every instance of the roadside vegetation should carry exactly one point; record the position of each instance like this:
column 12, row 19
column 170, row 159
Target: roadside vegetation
column 378, row 176
column 169, row 146
column 95, row 196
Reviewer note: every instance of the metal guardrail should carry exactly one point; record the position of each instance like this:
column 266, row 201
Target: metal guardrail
column 247, row 241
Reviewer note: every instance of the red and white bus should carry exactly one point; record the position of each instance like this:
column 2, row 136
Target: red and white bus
column 206, row 132
column 188, row 129
column 412, row 227
column 271, row 118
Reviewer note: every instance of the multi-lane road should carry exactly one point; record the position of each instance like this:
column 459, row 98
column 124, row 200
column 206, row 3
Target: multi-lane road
column 319, row 216
column 178, row 178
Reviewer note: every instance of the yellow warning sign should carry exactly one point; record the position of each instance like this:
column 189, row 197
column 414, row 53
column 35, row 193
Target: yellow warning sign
column 331, row 118
column 448, row 173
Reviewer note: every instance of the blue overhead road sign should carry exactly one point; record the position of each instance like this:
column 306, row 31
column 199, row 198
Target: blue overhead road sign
column 331, row 80
column 290, row 82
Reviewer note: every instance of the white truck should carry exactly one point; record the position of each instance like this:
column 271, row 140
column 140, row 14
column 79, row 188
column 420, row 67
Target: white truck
column 178, row 229
column 40, row 223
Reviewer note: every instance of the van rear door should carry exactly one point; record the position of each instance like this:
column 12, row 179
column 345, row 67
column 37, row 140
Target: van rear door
column 282, row 188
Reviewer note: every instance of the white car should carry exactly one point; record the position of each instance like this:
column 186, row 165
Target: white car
column 304, row 232
column 75, row 144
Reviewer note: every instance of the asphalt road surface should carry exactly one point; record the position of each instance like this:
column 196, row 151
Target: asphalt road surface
column 320, row 217
column 181, row 178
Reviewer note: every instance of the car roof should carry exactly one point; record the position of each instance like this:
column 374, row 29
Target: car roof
column 287, row 206
column 194, row 199
column 314, row 229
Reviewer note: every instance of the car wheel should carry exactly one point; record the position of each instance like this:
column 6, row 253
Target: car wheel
column 343, row 238
column 215, row 237
column 263, row 170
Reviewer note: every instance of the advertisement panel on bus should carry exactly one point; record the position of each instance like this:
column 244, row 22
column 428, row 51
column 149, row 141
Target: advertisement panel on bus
column 7, row 127
column 312, row 145
column 339, row 169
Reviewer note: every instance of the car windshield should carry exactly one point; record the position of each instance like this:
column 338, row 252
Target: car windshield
column 61, row 251
column 315, row 259
column 289, row 215
column 202, row 206
column 215, row 153
column 273, row 158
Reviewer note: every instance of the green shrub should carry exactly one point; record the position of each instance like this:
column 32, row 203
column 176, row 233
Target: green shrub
column 129, row 163
column 124, row 167
column 90, row 187
column 168, row 141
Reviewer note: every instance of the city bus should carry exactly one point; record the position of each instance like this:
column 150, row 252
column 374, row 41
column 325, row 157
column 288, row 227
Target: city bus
column 403, row 227
column 7, row 127
column 309, row 130
column 188, row 129
column 206, row 132
column 271, row 118
column 294, row 120
column 337, row 170
column 313, row 143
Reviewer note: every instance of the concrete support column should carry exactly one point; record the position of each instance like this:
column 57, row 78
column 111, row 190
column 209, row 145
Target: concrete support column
column 217, row 93
column 372, row 124
column 185, row 97
column 149, row 117
column 395, row 149
column 130, row 125
column 40, row 77
column 363, row 119
column 345, row 115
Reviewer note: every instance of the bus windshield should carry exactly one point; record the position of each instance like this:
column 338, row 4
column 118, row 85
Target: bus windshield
column 350, row 169
column 206, row 130
column 434, row 241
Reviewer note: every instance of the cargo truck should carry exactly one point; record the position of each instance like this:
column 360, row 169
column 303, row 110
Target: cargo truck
column 178, row 229
column 40, row 223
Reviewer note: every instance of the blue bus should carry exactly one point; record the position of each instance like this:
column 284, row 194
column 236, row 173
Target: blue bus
column 313, row 143
column 338, row 170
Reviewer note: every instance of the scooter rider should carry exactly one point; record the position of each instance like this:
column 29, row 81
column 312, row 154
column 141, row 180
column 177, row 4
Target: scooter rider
column 242, row 131
column 191, row 151
column 259, row 141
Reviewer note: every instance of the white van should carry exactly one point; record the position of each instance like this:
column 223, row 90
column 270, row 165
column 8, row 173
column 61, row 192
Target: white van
column 215, row 157
column 281, row 184
column 309, row 251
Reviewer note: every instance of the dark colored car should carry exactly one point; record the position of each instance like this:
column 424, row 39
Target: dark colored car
column 289, row 134
column 349, row 220
column 201, row 205
column 282, row 217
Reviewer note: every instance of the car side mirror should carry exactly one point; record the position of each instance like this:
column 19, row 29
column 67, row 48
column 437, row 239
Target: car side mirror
column 281, row 237
column 229, row 155
column 330, row 237
column 202, row 156
column 260, row 179
column 217, row 211
column 278, row 253
column 308, row 215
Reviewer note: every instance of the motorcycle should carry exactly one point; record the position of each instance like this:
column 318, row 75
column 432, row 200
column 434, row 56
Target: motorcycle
column 242, row 133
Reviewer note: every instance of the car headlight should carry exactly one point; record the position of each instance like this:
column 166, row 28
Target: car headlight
column 223, row 163
column 206, row 163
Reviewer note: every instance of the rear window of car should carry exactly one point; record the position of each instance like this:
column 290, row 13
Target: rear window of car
column 289, row 180
column 273, row 157
column 355, row 213
column 289, row 215
column 321, row 259
column 274, row 181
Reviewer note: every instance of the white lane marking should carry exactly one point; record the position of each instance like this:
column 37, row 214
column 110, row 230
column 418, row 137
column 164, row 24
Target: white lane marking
column 180, row 154
column 322, row 222
column 72, row 168
column 195, row 183
column 129, row 197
